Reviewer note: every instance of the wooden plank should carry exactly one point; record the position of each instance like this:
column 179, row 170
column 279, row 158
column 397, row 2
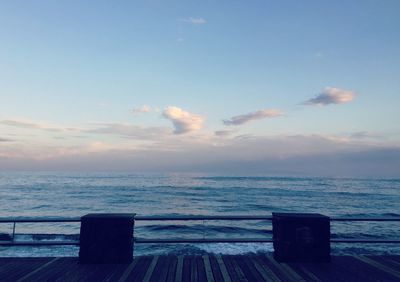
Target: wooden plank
column 379, row 266
column 141, row 269
column 26, row 277
column 230, row 268
column 19, row 267
column 276, row 270
column 248, row 268
column 387, row 261
column 128, row 270
column 395, row 258
column 106, row 271
column 285, row 269
column 235, row 268
column 172, row 269
column 53, row 271
column 334, row 271
column 265, row 271
column 223, row 269
column 74, row 272
column 302, row 270
column 201, row 271
column 150, row 270
column 81, row 272
column 58, row 270
column 360, row 270
column 161, row 270
column 186, row 271
column 193, row 270
column 215, row 268
column 133, row 271
column 203, row 268
column 179, row 269
column 15, row 265
column 5, row 265
column 207, row 266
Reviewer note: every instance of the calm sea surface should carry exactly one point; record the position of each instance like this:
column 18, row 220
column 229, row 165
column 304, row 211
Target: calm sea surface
column 76, row 194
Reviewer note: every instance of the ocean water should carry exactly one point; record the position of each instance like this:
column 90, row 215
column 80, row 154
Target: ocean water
column 76, row 194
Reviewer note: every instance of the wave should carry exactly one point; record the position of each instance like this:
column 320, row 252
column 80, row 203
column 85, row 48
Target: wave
column 198, row 228
column 388, row 214
column 357, row 235
column 40, row 237
column 253, row 178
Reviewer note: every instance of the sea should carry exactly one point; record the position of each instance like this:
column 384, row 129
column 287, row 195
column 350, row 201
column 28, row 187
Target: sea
column 67, row 194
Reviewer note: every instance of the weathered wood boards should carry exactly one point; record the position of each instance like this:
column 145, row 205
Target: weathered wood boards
column 203, row 268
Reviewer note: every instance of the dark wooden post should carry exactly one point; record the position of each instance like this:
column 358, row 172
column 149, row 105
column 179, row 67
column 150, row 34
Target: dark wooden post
column 106, row 238
column 301, row 237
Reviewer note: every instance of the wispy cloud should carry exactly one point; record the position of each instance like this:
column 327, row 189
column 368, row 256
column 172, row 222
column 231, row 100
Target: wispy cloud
column 195, row 20
column 28, row 124
column 224, row 133
column 142, row 110
column 364, row 135
column 183, row 121
column 332, row 95
column 5, row 140
column 242, row 119
column 132, row 131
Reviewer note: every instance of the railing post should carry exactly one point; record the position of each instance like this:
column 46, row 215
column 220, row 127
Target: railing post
column 106, row 238
column 301, row 237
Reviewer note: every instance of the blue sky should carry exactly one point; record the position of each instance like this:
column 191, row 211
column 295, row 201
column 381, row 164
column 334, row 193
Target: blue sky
column 153, row 85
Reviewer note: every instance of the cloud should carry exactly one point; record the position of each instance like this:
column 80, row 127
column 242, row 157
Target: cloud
column 28, row 124
column 242, row 119
column 311, row 155
column 364, row 135
column 195, row 21
column 142, row 110
column 132, row 131
column 224, row 133
column 183, row 121
column 331, row 95
column 22, row 124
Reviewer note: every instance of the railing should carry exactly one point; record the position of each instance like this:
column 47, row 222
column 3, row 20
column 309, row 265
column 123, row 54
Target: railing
column 15, row 220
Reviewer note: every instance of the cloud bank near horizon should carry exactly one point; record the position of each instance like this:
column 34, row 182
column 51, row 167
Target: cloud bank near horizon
column 285, row 155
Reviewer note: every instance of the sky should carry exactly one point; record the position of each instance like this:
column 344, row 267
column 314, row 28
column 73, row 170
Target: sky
column 228, row 87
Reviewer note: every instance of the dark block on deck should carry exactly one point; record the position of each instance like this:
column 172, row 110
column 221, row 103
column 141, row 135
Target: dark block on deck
column 106, row 238
column 301, row 237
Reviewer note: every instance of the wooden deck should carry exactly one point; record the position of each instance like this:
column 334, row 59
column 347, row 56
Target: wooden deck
column 203, row 268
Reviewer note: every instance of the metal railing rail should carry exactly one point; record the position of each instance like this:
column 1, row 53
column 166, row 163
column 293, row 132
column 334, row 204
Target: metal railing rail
column 15, row 220
column 186, row 217
column 38, row 219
